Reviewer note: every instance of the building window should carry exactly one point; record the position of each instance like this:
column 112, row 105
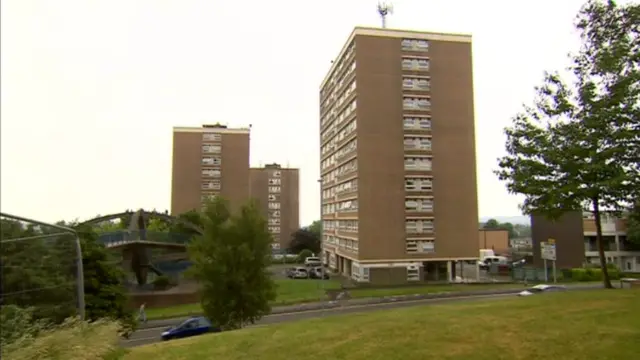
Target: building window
column 417, row 163
column 272, row 197
column 417, row 143
column 415, row 64
column 276, row 174
column 274, row 189
column 364, row 274
column 274, row 181
column 207, row 197
column 274, row 214
column 420, row 246
column 418, row 184
column 274, row 229
column 413, row 273
column 413, row 103
column 211, row 148
column 211, row 185
column 347, row 206
column 211, row 137
column 211, row 173
column 415, row 45
column 274, row 205
column 416, row 123
column 211, row 161
column 422, row 226
column 274, row 221
column 418, row 205
column 413, row 83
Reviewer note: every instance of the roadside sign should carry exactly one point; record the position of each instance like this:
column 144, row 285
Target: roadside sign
column 548, row 251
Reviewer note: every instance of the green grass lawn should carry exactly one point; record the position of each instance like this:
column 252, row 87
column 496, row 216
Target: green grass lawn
column 581, row 325
column 289, row 292
column 303, row 291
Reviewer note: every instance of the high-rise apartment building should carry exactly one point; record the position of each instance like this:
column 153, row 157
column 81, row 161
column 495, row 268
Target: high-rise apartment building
column 277, row 191
column 399, row 195
column 209, row 161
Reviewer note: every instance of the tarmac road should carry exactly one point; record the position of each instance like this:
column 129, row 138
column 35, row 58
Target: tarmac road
column 151, row 332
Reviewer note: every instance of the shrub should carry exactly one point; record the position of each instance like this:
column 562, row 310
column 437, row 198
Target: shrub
column 303, row 255
column 17, row 323
column 594, row 274
column 72, row 340
column 161, row 282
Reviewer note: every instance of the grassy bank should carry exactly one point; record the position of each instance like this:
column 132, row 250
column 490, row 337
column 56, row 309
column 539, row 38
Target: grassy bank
column 303, row 291
column 601, row 324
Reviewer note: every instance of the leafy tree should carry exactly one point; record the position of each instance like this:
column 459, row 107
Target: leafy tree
column 491, row 224
column 522, row 230
column 158, row 225
column 193, row 217
column 38, row 273
column 575, row 147
column 496, row 225
column 230, row 260
column 105, row 295
column 316, row 228
column 304, row 239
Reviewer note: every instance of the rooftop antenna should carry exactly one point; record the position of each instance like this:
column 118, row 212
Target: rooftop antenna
column 384, row 9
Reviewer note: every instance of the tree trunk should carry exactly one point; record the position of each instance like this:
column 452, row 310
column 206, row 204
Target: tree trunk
column 599, row 241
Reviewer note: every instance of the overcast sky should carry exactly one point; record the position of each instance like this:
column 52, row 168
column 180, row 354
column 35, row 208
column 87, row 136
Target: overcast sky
column 92, row 88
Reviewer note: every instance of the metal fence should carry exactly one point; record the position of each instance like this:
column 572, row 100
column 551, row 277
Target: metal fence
column 41, row 268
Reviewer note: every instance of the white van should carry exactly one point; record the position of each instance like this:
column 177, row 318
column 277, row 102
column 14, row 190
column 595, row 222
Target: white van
column 312, row 261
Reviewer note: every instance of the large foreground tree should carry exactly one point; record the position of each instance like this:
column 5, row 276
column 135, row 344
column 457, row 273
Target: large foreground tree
column 230, row 261
column 577, row 147
column 105, row 295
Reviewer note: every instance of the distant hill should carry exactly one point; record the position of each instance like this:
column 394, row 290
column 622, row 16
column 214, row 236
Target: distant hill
column 524, row 220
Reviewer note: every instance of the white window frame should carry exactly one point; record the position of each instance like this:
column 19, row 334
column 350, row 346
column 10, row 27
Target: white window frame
column 275, row 181
column 211, row 185
column 211, row 173
column 274, row 205
column 211, row 137
column 211, row 149
column 413, row 273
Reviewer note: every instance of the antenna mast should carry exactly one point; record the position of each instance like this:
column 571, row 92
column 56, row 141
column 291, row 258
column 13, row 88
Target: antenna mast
column 384, row 9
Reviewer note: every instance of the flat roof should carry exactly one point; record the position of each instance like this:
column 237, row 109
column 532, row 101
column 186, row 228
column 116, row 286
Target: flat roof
column 397, row 33
column 218, row 130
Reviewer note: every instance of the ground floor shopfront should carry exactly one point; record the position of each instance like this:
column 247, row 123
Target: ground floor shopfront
column 403, row 271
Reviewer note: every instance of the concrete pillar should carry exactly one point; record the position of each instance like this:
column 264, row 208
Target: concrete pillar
column 619, row 261
column 450, row 271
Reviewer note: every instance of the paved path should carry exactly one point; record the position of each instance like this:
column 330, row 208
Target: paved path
column 150, row 333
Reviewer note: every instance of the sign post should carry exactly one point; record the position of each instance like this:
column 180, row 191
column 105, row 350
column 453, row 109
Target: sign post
column 548, row 253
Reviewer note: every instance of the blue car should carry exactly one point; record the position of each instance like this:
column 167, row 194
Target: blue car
column 192, row 327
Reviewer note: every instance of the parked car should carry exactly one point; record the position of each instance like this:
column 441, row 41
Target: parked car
column 312, row 261
column 298, row 273
column 542, row 288
column 192, row 327
column 318, row 273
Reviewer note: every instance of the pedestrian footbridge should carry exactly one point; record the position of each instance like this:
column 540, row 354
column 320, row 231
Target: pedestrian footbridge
column 151, row 239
